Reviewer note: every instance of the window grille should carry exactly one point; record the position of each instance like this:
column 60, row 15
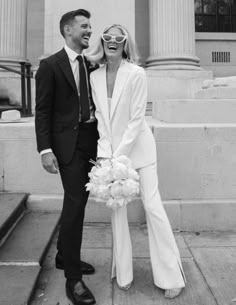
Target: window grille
column 221, row 57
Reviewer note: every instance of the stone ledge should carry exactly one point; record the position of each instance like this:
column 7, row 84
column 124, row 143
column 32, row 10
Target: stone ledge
column 184, row 215
column 194, row 161
column 191, row 111
column 216, row 93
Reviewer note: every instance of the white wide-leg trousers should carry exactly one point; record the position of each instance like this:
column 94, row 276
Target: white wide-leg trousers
column 165, row 259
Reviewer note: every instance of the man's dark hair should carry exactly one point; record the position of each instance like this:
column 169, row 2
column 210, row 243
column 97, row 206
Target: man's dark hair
column 69, row 17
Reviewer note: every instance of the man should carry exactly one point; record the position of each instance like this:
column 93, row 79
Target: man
column 66, row 132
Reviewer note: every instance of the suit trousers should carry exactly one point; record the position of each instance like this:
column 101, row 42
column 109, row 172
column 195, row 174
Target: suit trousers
column 74, row 176
column 165, row 259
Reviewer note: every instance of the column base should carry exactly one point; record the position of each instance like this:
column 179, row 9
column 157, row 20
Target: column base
column 12, row 60
column 173, row 63
column 195, row 111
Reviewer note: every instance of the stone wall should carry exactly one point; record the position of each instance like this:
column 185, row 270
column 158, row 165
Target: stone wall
column 196, row 169
column 206, row 43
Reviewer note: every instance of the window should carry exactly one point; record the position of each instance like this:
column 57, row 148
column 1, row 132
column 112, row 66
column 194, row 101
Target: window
column 215, row 15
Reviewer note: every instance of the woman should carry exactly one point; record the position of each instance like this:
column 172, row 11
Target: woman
column 119, row 91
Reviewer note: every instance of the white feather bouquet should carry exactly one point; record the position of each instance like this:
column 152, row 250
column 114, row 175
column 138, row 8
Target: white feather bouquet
column 114, row 181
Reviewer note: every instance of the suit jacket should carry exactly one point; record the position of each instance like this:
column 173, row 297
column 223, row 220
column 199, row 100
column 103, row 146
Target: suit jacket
column 123, row 130
column 57, row 106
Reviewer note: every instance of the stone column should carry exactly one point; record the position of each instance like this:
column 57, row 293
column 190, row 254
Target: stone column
column 172, row 35
column 13, row 20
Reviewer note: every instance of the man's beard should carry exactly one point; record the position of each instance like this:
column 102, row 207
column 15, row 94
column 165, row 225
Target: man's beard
column 80, row 43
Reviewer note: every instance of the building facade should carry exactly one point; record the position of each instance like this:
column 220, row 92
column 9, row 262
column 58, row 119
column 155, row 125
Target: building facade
column 214, row 33
column 211, row 23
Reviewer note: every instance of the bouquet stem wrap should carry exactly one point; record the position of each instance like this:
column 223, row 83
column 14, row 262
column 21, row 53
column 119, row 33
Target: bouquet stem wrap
column 113, row 181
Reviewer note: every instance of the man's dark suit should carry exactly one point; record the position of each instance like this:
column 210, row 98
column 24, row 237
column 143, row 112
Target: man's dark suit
column 73, row 143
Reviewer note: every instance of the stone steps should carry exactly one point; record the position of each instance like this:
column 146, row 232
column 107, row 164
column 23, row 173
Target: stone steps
column 25, row 236
column 11, row 208
column 17, row 284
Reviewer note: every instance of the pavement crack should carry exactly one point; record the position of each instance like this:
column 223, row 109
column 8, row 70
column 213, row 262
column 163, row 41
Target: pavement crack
column 200, row 270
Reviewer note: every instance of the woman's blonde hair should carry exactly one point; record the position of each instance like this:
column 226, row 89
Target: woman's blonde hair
column 96, row 53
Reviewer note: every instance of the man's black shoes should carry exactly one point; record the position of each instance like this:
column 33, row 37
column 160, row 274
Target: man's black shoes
column 85, row 267
column 79, row 294
column 59, row 262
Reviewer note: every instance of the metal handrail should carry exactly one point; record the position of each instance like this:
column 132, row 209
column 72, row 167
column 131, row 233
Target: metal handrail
column 26, row 75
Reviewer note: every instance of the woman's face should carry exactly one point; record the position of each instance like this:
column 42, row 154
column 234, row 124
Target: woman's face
column 113, row 49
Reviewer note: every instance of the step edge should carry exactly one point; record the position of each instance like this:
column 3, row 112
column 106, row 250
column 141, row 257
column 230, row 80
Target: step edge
column 48, row 243
column 31, row 293
column 43, row 250
column 13, row 218
column 11, row 229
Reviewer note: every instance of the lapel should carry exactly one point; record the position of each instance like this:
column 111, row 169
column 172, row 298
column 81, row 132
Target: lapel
column 100, row 84
column 64, row 64
column 121, row 78
column 101, row 87
column 90, row 66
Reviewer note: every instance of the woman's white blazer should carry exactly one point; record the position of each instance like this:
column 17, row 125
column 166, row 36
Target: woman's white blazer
column 122, row 127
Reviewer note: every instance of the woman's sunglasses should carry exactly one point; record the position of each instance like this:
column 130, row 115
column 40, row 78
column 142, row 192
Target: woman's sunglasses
column 117, row 38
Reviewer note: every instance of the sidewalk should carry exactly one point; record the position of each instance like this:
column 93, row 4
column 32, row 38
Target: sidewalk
column 209, row 262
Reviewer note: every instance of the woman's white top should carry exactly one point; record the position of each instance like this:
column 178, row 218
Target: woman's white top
column 109, row 104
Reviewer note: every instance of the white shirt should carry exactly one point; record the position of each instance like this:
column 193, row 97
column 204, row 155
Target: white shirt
column 74, row 63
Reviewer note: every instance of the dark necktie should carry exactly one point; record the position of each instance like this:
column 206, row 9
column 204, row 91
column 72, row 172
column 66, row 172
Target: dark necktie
column 84, row 100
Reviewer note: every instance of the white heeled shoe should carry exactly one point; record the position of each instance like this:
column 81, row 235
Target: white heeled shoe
column 172, row 293
column 126, row 287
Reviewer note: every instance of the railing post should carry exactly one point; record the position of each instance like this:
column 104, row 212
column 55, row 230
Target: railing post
column 25, row 77
column 28, row 78
column 23, row 93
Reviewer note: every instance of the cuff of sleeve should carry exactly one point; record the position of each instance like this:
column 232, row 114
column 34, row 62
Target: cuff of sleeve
column 45, row 151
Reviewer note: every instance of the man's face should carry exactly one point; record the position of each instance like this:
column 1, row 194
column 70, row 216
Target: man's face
column 80, row 32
